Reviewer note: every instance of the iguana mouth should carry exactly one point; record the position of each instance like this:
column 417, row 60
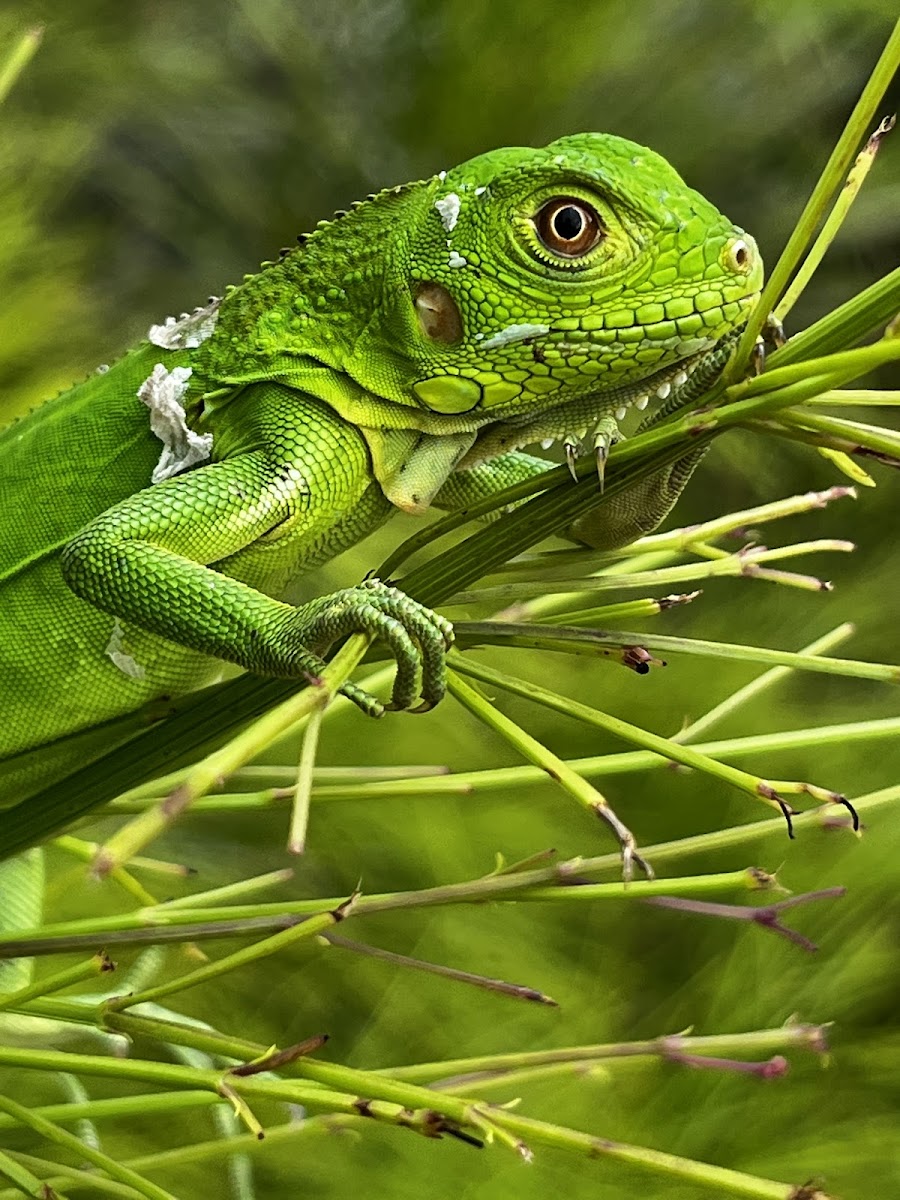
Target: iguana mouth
column 589, row 420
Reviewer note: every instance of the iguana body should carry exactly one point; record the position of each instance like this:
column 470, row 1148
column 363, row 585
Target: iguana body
column 155, row 515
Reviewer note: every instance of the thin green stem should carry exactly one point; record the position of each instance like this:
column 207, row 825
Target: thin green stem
column 470, row 783
column 74, row 1145
column 858, row 436
column 240, row 958
column 679, row 539
column 25, row 1182
column 18, row 59
column 236, row 753
column 147, row 1104
column 304, row 782
column 752, row 785
column 583, row 641
column 832, row 175
column 98, row 965
column 401, row 1102
column 844, row 325
column 865, row 397
column 756, row 687
column 56, row 1175
column 744, row 563
column 155, row 925
column 231, row 891
column 835, row 219
column 741, row 1045
column 559, row 771
column 514, row 990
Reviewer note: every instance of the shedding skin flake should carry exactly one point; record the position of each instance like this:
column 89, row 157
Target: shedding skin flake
column 115, row 650
column 163, row 392
column 448, row 208
column 186, row 332
column 514, row 333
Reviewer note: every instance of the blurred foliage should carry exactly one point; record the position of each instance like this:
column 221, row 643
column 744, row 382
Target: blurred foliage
column 156, row 150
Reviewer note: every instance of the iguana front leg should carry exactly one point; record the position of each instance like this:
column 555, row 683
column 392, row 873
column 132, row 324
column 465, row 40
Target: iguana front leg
column 197, row 558
column 621, row 519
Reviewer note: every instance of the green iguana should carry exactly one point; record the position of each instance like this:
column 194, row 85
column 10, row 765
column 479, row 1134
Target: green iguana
column 401, row 356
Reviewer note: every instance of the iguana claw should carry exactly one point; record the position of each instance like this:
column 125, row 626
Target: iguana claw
column 605, row 436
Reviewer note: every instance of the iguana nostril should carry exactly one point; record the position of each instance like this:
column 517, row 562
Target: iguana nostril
column 739, row 255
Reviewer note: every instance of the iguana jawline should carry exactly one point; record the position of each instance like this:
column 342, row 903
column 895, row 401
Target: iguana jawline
column 572, row 420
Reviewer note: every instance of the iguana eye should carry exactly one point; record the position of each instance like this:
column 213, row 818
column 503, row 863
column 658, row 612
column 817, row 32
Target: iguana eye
column 568, row 227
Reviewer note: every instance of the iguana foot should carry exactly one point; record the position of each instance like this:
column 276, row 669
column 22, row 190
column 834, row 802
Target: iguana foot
column 417, row 637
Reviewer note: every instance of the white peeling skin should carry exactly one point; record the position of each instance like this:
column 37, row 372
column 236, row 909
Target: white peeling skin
column 479, row 191
column 163, row 392
column 116, row 651
column 448, row 207
column 514, row 333
column 457, row 260
column 186, row 332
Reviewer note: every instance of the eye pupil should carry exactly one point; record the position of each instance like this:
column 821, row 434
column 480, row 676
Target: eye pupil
column 568, row 227
column 568, row 223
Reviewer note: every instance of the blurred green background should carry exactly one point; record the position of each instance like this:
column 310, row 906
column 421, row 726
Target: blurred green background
column 155, row 151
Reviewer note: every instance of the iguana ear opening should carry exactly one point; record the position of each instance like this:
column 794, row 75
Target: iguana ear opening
column 438, row 313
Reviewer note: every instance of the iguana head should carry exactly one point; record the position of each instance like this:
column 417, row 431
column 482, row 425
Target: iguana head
column 529, row 279
column 527, row 295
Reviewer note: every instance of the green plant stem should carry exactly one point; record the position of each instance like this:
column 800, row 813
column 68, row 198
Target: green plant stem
column 238, row 751
column 688, row 756
column 844, row 325
column 860, row 437
column 680, row 539
column 231, row 891
column 74, row 1145
column 26, row 1183
column 469, row 783
column 866, row 397
column 756, row 687
column 155, row 925
column 720, row 1180
column 304, row 782
column 499, row 986
column 848, row 363
column 398, row 1101
column 560, row 772
column 18, row 59
column 99, row 964
column 131, row 927
column 831, row 178
column 835, row 219
column 729, row 1045
column 240, row 958
column 148, row 1104
column 56, row 1175
column 595, row 641
column 741, row 563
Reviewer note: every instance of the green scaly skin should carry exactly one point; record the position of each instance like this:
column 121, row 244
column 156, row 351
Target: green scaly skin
column 402, row 356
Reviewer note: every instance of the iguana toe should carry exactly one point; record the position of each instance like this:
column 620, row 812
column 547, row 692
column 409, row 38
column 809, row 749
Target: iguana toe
column 417, row 637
